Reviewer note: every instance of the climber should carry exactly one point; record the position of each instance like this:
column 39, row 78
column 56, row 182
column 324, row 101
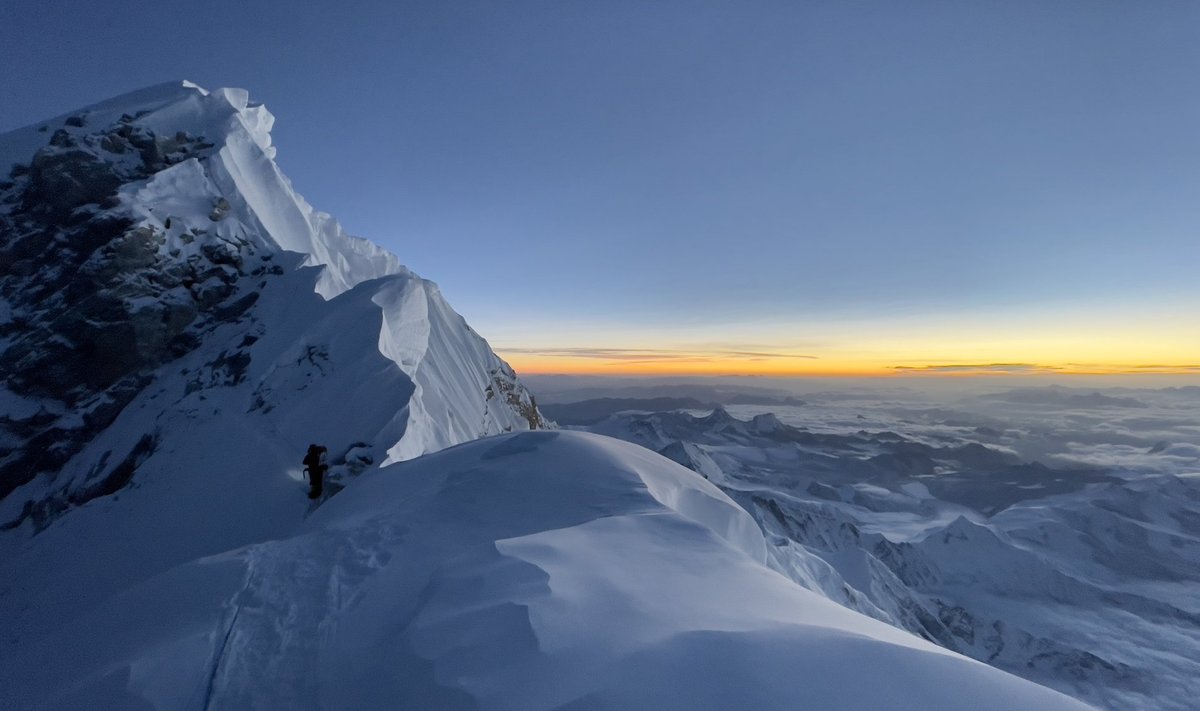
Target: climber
column 314, row 464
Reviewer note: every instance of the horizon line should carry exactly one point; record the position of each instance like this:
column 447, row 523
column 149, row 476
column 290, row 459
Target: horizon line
column 889, row 372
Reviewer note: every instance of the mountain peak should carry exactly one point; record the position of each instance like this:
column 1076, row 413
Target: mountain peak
column 18, row 145
column 156, row 227
column 174, row 152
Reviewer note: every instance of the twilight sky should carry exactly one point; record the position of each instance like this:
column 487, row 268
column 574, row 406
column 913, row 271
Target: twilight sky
column 719, row 187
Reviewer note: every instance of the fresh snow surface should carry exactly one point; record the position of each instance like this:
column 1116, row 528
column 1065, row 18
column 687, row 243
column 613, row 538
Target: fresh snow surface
column 319, row 338
column 541, row 570
column 226, row 466
column 169, row 559
column 939, row 518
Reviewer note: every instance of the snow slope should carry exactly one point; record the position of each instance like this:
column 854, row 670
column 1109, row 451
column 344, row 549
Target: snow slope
column 156, row 228
column 177, row 325
column 1080, row 579
column 552, row 570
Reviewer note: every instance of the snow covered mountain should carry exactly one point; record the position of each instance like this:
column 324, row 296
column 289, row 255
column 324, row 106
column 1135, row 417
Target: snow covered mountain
column 177, row 324
column 543, row 570
column 1080, row 579
column 156, row 229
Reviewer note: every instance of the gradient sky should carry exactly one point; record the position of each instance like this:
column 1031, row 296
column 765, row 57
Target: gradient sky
column 732, row 187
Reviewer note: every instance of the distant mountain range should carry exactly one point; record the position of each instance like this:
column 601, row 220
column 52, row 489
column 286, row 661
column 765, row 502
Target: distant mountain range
column 589, row 412
column 1075, row 578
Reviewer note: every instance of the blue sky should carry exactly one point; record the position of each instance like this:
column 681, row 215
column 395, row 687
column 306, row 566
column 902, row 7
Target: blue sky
column 700, row 175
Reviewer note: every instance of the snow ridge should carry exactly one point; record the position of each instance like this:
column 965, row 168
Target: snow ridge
column 1072, row 578
column 180, row 325
column 167, row 204
column 536, row 571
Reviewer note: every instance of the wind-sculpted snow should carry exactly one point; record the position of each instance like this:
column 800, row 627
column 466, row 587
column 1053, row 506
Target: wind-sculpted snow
column 928, row 515
column 552, row 570
column 177, row 326
column 158, row 261
column 238, row 164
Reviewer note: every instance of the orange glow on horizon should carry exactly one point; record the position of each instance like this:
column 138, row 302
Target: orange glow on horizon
column 532, row 364
column 1154, row 345
column 569, row 366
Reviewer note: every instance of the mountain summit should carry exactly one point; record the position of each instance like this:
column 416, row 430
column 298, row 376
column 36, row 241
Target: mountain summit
column 177, row 326
column 159, row 269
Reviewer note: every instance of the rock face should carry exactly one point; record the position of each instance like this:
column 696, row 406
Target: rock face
column 95, row 305
column 133, row 234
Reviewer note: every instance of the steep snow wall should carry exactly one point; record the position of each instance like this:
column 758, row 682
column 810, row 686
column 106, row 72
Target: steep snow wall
column 157, row 225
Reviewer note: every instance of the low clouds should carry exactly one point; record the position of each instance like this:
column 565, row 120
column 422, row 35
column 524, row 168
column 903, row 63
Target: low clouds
column 1144, row 430
column 1139, row 430
column 1063, row 398
column 1166, row 368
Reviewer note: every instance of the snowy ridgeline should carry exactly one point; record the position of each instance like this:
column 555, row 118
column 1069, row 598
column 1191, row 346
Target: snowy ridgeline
column 553, row 570
column 177, row 325
column 1081, row 575
column 162, row 275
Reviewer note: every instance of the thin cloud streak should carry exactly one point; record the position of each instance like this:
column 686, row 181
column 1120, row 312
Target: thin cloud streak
column 1016, row 368
column 665, row 360
column 763, row 354
column 658, row 355
column 1037, row 368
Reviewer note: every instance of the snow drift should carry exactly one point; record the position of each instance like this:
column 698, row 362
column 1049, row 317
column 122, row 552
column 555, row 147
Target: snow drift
column 1081, row 579
column 553, row 570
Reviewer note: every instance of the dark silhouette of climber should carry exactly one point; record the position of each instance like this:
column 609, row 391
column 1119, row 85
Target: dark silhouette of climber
column 314, row 464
